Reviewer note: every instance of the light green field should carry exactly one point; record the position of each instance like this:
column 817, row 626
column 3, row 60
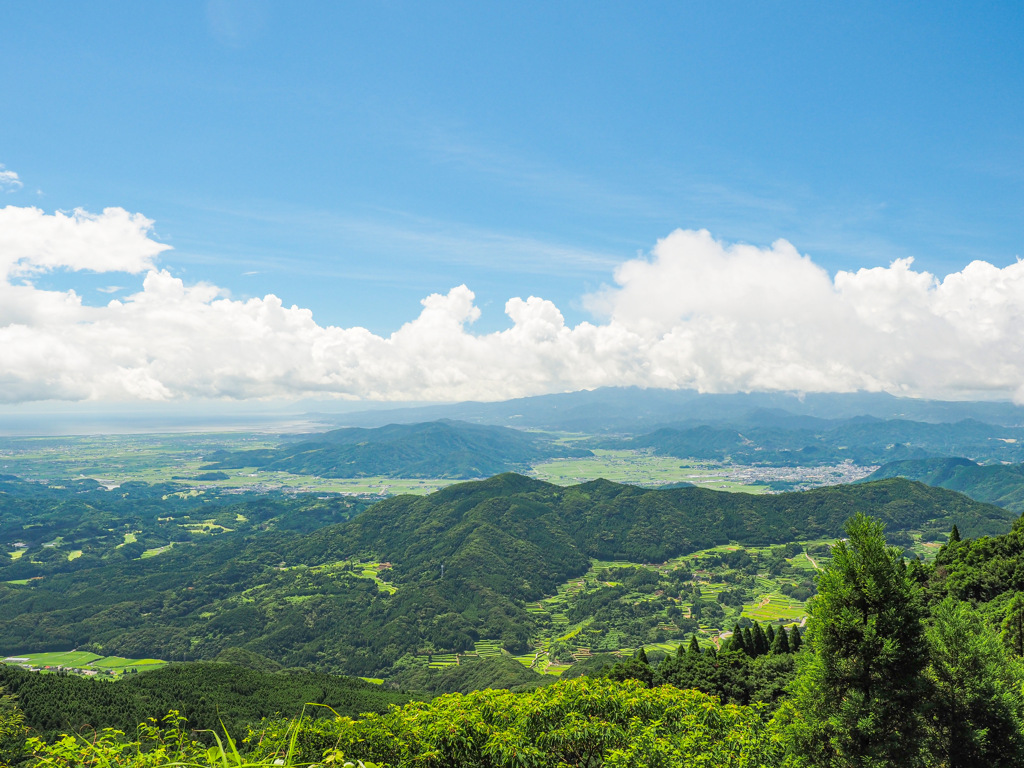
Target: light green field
column 640, row 468
column 156, row 458
column 154, row 551
column 69, row 658
column 84, row 660
column 118, row 662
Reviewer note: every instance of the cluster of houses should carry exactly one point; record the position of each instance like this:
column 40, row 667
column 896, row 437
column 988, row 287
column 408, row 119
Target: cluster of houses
column 26, row 663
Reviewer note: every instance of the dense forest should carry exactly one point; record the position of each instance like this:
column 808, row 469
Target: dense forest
column 901, row 664
column 80, row 525
column 303, row 601
column 1000, row 484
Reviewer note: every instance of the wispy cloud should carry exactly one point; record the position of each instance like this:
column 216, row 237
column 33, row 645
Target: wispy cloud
column 421, row 240
column 9, row 181
column 541, row 179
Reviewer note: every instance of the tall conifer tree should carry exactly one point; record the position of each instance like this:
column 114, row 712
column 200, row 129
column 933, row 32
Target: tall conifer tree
column 760, row 640
column 858, row 700
column 781, row 643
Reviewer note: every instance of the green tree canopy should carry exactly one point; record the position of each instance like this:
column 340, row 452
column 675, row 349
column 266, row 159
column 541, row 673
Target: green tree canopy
column 857, row 701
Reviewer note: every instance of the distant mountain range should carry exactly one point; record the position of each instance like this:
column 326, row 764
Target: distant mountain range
column 631, row 410
column 448, row 449
column 1000, row 484
column 779, row 440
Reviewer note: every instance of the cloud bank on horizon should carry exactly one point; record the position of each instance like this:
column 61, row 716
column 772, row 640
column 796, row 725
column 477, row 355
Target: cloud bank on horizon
column 695, row 313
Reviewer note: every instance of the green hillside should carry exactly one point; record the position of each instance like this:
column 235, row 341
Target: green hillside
column 208, row 695
column 445, row 449
column 1000, row 484
column 360, row 596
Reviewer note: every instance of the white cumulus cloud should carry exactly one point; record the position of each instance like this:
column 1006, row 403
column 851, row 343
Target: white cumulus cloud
column 695, row 313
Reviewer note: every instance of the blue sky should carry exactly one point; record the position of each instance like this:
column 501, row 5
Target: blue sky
column 353, row 158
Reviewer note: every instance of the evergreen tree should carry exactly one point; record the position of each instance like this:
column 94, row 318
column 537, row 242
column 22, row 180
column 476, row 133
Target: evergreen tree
column 641, row 655
column 954, row 535
column 761, row 646
column 781, row 643
column 858, row 699
column 1013, row 625
column 694, row 645
column 976, row 712
column 12, row 729
column 770, row 634
column 748, row 642
column 796, row 641
column 738, row 643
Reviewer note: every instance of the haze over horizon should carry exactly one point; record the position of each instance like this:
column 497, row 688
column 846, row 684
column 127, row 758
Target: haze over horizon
column 252, row 202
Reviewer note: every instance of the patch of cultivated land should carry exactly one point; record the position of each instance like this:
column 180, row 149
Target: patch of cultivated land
column 642, row 467
column 116, row 459
column 82, row 663
column 654, row 605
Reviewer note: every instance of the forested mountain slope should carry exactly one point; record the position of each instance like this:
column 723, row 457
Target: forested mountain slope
column 504, row 541
column 451, row 449
column 211, row 696
column 1000, row 484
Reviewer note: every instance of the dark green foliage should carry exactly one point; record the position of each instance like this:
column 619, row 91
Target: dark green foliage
column 243, row 658
column 502, row 541
column 635, row 668
column 210, row 476
column 780, row 644
column 434, row 449
column 738, row 642
column 206, row 694
column 84, row 515
column 12, row 729
column 760, row 640
column 595, row 665
column 749, row 644
column 975, row 707
column 694, row 645
column 1000, row 484
column 470, row 675
column 1012, row 625
column 858, row 700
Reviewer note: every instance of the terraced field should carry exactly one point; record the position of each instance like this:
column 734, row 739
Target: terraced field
column 709, row 577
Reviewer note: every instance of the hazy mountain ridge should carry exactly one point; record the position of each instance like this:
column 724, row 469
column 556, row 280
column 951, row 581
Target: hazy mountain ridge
column 863, row 440
column 631, row 410
column 437, row 449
